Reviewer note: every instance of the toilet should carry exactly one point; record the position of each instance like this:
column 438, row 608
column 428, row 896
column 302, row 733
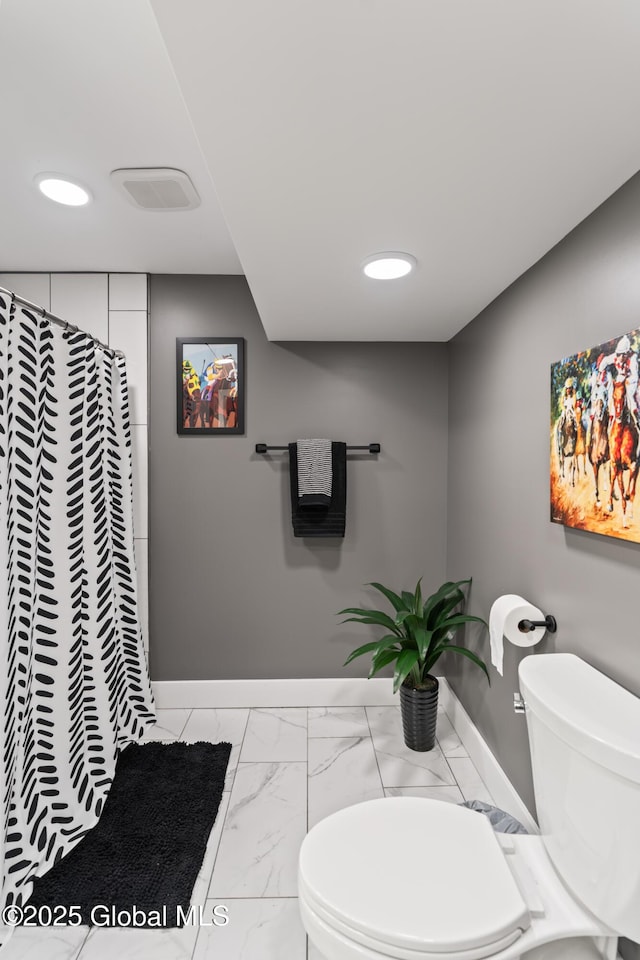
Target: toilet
column 406, row 878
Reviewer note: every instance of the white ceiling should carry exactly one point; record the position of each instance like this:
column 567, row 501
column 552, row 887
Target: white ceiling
column 474, row 135
column 86, row 87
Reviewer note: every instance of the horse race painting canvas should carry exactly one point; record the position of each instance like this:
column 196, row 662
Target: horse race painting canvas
column 595, row 438
column 210, row 385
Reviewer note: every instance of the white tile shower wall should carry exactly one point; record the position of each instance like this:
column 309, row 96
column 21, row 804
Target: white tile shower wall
column 32, row 286
column 114, row 308
column 140, row 481
column 128, row 291
column 82, row 299
column 128, row 332
column 142, row 565
column 128, row 324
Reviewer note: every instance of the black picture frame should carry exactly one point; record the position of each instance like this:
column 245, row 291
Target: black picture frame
column 211, row 389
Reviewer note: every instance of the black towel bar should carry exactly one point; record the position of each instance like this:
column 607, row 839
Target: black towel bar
column 370, row 447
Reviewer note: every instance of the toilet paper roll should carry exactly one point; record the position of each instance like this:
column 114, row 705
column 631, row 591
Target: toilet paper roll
column 506, row 613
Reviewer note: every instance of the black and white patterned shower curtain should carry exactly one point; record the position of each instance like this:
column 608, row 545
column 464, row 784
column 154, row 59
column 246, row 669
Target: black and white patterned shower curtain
column 74, row 686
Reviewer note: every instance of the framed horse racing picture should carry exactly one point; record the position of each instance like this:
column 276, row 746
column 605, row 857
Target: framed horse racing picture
column 210, row 385
column 595, row 438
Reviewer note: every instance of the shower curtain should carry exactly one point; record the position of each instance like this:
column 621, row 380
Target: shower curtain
column 74, row 686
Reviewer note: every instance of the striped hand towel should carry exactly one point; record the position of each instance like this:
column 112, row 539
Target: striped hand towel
column 315, row 475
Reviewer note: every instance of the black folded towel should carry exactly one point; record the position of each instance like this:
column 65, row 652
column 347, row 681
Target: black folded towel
column 316, row 514
column 314, row 501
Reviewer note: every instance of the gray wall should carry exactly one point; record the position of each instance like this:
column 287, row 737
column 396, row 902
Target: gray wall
column 583, row 292
column 232, row 593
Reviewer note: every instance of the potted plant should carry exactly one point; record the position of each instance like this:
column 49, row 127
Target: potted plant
column 419, row 633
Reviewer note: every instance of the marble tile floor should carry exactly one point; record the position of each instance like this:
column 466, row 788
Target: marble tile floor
column 289, row 768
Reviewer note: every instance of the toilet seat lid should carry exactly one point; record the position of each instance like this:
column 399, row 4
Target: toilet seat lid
column 420, row 874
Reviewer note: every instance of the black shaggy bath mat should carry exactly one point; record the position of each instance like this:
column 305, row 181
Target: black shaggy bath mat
column 148, row 846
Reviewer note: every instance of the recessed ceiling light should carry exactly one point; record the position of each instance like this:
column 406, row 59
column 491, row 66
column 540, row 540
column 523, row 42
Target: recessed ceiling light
column 62, row 190
column 388, row 266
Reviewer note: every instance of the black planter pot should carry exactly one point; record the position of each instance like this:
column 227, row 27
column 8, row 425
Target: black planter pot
column 419, row 714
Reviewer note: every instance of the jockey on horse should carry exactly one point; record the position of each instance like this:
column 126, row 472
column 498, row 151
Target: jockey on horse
column 568, row 402
column 599, row 394
column 625, row 363
column 567, row 430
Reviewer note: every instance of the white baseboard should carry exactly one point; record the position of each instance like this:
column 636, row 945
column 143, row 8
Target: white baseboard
column 498, row 784
column 340, row 692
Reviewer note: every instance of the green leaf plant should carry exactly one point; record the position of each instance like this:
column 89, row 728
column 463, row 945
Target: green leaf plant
column 418, row 633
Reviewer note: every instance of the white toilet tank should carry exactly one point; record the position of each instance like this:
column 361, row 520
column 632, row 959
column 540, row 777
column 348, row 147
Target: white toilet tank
column 584, row 733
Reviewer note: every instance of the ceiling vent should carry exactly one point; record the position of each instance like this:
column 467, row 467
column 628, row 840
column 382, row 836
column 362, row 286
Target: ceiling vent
column 156, row 188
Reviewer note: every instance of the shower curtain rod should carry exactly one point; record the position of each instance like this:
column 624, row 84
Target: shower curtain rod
column 61, row 323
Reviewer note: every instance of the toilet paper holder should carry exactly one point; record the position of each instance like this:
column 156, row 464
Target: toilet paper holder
column 549, row 623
